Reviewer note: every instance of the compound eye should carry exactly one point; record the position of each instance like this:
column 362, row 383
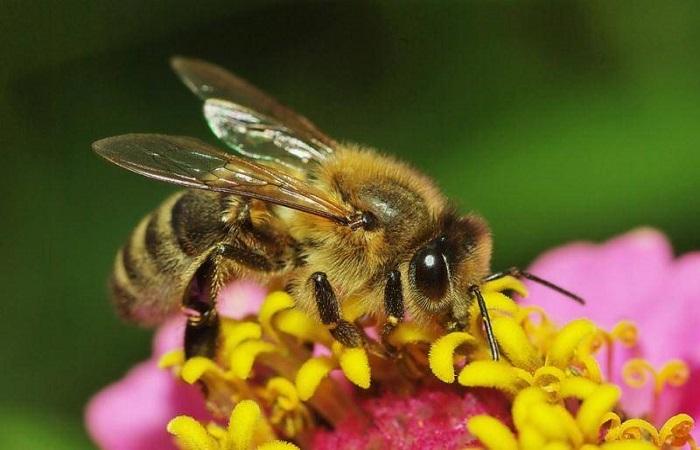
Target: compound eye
column 430, row 272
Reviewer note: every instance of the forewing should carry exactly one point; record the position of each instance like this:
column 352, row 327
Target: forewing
column 211, row 81
column 257, row 136
column 190, row 162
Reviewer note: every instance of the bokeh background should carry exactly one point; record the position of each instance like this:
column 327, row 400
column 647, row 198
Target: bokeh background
column 557, row 122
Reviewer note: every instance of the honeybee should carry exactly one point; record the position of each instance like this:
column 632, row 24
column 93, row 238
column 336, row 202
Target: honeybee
column 296, row 209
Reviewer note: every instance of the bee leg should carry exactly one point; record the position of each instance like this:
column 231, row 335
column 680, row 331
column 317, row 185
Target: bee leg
column 393, row 304
column 329, row 310
column 202, row 329
column 490, row 337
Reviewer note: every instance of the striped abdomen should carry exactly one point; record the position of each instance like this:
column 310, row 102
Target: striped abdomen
column 153, row 269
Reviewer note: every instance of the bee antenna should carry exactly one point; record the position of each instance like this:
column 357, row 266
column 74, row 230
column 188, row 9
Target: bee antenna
column 515, row 272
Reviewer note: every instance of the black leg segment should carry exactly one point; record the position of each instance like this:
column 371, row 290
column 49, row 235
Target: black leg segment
column 329, row 310
column 202, row 329
column 490, row 337
column 393, row 303
column 327, row 303
column 201, row 335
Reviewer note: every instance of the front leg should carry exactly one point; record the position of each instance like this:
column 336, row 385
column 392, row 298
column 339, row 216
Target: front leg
column 393, row 305
column 329, row 310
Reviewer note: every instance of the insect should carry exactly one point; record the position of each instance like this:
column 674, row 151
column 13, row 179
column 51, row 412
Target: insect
column 293, row 209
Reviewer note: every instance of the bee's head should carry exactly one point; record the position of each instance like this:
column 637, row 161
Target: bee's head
column 442, row 269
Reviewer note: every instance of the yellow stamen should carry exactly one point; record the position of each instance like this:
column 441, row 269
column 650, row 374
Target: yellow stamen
column 236, row 332
column 626, row 333
column 494, row 374
column 591, row 366
column 636, row 373
column 287, row 412
column 242, row 423
column 277, row 445
column 297, row 324
column 507, row 283
column 497, row 302
column 191, row 435
column 515, row 344
column 171, row 359
column 310, row 375
column 637, row 429
column 676, row 431
column 549, row 378
column 353, row 308
column 674, row 373
column 354, row 363
column 531, row 439
column 243, row 357
column 288, row 398
column 274, row 303
column 577, row 387
column 492, row 433
column 441, row 356
column 594, row 407
column 554, row 423
column 409, row 332
column 196, row 367
column 567, row 341
column 626, row 445
column 525, row 402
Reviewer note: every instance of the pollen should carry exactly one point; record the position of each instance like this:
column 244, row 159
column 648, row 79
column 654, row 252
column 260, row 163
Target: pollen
column 278, row 376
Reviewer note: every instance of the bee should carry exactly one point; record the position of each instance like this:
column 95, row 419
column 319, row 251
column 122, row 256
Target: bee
column 326, row 221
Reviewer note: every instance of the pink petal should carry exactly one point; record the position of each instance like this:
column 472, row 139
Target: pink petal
column 169, row 336
column 240, row 299
column 673, row 333
column 132, row 413
column 616, row 278
column 671, row 324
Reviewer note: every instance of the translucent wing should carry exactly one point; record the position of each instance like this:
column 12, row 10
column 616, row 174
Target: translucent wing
column 209, row 81
column 190, row 162
column 257, row 136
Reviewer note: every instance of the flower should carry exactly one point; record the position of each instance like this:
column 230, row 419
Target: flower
column 635, row 278
column 132, row 414
column 280, row 381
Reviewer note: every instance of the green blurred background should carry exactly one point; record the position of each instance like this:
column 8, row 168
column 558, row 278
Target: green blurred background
column 563, row 121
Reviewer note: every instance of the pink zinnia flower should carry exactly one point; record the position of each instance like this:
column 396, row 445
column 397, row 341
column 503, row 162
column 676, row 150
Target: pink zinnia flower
column 634, row 277
column 269, row 382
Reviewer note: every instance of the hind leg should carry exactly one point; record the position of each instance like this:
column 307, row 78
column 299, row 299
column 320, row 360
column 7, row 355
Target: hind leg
column 202, row 329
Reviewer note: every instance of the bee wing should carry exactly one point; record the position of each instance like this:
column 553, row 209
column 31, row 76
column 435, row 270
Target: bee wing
column 257, row 136
column 190, row 162
column 209, row 81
